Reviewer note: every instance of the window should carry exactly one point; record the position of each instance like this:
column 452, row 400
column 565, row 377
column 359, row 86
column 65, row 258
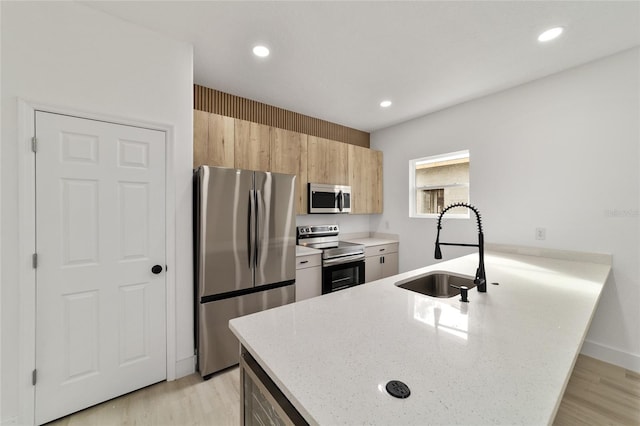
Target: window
column 437, row 182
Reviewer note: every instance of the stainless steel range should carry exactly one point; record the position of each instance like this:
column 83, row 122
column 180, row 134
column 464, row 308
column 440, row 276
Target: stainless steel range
column 342, row 262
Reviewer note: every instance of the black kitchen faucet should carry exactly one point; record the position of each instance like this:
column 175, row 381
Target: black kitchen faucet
column 480, row 279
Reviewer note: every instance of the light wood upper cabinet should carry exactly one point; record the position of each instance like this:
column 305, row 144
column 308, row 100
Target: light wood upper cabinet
column 365, row 179
column 251, row 146
column 213, row 139
column 375, row 163
column 200, row 137
column 229, row 142
column 288, row 152
column 221, row 141
column 327, row 161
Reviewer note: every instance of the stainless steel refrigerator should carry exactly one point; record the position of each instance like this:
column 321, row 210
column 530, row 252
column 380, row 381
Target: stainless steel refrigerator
column 245, row 243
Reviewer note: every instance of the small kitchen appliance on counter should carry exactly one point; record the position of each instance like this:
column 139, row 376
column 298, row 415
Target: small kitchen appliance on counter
column 244, row 235
column 342, row 262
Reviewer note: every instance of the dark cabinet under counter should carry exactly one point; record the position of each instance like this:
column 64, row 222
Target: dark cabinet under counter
column 262, row 403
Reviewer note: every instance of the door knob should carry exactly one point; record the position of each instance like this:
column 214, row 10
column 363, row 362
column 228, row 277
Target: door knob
column 156, row 269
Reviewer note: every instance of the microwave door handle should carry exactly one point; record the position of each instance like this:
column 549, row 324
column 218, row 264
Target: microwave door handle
column 340, row 200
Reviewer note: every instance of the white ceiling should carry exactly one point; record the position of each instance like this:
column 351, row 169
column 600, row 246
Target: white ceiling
column 338, row 60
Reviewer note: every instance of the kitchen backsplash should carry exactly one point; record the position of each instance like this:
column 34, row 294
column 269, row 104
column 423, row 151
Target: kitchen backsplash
column 355, row 223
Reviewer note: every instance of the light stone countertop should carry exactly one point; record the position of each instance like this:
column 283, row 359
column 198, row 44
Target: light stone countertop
column 503, row 358
column 306, row 251
column 371, row 241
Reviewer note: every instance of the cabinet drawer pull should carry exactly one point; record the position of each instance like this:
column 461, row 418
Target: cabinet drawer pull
column 304, row 261
column 382, row 249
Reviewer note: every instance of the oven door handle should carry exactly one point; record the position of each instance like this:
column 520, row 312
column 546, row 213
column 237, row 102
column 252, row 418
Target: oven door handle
column 343, row 259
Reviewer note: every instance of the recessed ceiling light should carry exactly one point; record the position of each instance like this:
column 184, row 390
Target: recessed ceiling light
column 385, row 104
column 550, row 34
column 261, row 51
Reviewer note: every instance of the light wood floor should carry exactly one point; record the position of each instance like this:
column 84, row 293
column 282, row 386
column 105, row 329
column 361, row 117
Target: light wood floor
column 600, row 394
column 597, row 394
column 188, row 401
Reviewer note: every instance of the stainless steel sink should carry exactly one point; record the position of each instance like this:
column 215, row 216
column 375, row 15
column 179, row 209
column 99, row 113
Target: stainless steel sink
column 437, row 284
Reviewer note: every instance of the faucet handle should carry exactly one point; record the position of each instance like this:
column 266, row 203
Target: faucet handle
column 481, row 284
column 480, row 279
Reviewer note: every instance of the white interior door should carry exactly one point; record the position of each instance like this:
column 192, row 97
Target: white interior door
column 100, row 229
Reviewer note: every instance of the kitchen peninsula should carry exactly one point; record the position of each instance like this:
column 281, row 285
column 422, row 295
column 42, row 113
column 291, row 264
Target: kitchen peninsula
column 503, row 358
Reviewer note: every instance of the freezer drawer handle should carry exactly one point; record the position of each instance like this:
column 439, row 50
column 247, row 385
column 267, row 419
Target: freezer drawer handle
column 156, row 269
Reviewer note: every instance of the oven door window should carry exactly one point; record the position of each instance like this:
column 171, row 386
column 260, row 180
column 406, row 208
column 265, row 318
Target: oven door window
column 338, row 277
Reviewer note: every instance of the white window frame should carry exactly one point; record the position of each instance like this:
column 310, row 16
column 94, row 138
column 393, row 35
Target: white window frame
column 413, row 189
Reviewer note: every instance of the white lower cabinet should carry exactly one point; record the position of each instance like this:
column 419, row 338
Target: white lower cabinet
column 381, row 261
column 308, row 276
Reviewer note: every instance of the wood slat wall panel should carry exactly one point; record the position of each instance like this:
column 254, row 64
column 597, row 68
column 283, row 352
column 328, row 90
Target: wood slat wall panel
column 211, row 100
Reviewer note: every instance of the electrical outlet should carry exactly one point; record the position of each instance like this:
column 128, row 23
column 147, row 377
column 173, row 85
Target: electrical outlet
column 541, row 233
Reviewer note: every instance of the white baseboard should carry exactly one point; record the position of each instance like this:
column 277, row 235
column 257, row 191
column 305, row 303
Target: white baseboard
column 9, row 421
column 185, row 366
column 611, row 355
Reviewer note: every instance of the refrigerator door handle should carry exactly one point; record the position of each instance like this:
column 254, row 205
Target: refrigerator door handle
column 251, row 228
column 258, row 238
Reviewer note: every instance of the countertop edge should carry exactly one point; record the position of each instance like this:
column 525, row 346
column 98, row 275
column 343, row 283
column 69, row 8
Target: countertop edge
column 575, row 357
column 371, row 241
column 265, row 366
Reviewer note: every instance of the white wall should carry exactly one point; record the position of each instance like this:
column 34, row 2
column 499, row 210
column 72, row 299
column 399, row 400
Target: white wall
column 66, row 54
column 562, row 153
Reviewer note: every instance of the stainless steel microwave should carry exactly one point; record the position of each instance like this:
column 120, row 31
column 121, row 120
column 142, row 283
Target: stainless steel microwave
column 329, row 198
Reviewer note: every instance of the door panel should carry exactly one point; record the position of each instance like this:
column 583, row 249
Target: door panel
column 223, row 220
column 218, row 347
column 276, row 227
column 79, row 204
column 100, row 226
column 390, row 265
column 133, row 209
column 81, row 332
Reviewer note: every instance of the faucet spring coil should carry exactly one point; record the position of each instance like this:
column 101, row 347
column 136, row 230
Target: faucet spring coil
column 469, row 206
